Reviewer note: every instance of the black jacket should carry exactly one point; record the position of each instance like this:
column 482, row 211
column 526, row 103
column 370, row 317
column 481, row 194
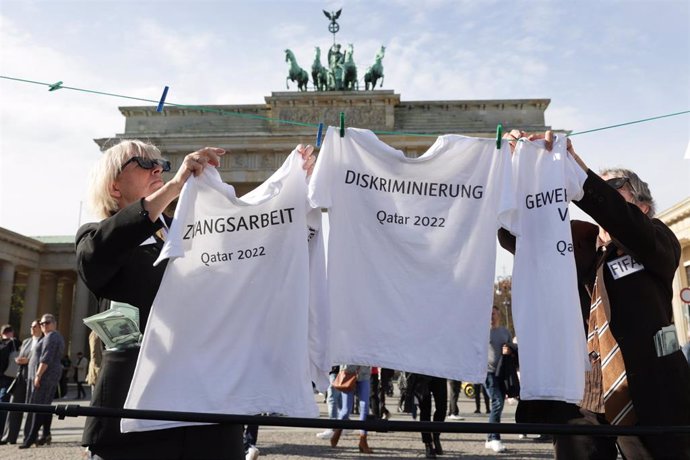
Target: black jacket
column 115, row 266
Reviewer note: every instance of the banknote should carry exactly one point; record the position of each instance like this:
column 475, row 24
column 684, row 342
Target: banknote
column 128, row 310
column 117, row 327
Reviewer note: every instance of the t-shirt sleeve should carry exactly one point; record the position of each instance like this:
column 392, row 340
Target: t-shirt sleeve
column 321, row 180
column 574, row 178
column 175, row 244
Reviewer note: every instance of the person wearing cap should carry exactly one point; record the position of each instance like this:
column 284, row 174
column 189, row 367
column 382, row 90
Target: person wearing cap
column 115, row 260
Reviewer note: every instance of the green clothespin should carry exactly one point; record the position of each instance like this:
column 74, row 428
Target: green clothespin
column 499, row 136
column 55, row 86
column 342, row 124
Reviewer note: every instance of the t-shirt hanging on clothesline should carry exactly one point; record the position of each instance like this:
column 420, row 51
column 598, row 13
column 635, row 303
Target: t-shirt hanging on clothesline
column 230, row 330
column 546, row 306
column 411, row 250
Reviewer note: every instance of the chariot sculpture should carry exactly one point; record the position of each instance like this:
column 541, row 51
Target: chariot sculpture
column 340, row 72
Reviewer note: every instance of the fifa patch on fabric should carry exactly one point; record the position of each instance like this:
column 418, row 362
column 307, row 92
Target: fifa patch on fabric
column 624, row 266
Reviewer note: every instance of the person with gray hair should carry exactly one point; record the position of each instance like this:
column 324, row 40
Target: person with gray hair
column 639, row 189
column 115, row 260
column 625, row 269
column 46, row 368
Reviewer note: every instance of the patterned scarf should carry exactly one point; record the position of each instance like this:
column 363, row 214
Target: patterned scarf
column 606, row 354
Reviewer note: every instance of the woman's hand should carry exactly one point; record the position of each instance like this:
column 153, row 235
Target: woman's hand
column 37, row 382
column 516, row 134
column 548, row 142
column 308, row 156
column 195, row 162
column 513, row 137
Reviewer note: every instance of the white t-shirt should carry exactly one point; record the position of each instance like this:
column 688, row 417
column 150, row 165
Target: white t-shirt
column 411, row 250
column 230, row 328
column 546, row 305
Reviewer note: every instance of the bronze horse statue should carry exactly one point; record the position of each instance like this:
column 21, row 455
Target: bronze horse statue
column 375, row 71
column 319, row 74
column 350, row 70
column 296, row 73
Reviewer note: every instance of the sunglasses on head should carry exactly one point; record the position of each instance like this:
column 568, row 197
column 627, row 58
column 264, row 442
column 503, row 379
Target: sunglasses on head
column 148, row 163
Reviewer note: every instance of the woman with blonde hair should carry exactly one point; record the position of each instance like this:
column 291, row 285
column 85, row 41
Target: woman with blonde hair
column 115, row 260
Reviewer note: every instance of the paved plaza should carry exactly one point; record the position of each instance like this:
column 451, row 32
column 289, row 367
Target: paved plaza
column 280, row 443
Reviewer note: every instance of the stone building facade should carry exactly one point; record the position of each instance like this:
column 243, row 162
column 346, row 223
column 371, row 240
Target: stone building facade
column 258, row 146
column 42, row 271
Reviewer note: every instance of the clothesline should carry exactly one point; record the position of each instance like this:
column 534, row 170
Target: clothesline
column 58, row 85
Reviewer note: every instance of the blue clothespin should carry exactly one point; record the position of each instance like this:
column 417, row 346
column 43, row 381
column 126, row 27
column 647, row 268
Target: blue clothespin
column 319, row 133
column 55, row 86
column 342, row 124
column 499, row 136
column 161, row 103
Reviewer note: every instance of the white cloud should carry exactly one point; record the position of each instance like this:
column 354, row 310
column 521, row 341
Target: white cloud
column 184, row 51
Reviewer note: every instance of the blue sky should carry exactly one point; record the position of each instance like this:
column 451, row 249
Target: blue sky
column 600, row 63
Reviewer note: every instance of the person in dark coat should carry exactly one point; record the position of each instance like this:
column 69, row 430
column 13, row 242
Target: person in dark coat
column 19, row 393
column 633, row 256
column 9, row 347
column 62, row 388
column 422, row 388
column 115, row 260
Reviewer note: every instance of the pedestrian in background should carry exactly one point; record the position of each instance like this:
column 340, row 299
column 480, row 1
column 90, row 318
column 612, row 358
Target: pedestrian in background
column 46, row 368
column 96, row 353
column 499, row 339
column 80, row 369
column 333, row 402
column 362, row 389
column 480, row 390
column 14, row 419
column 454, row 387
column 9, row 350
column 62, row 389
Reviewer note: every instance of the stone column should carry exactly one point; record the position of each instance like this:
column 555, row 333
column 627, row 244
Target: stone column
column 6, row 287
column 30, row 300
column 48, row 293
column 65, row 314
column 79, row 330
